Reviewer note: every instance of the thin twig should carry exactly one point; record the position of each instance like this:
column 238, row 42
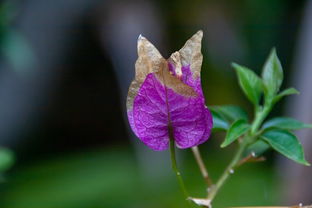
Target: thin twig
column 202, row 166
column 250, row 158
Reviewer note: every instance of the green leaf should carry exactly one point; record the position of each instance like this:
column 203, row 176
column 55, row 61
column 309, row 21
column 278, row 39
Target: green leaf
column 288, row 91
column 237, row 129
column 250, row 83
column 219, row 123
column 230, row 113
column 259, row 147
column 285, row 123
column 287, row 144
column 272, row 75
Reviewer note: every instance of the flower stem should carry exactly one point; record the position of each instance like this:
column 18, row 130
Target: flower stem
column 202, row 166
column 176, row 170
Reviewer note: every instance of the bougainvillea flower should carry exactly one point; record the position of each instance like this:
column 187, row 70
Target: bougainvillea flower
column 165, row 100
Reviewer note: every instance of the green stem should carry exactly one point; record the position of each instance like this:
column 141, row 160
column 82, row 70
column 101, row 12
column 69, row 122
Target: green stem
column 259, row 118
column 260, row 115
column 228, row 171
column 176, row 170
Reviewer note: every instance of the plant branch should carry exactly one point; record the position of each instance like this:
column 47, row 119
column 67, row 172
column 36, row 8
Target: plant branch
column 260, row 115
column 228, row 171
column 250, row 158
column 201, row 166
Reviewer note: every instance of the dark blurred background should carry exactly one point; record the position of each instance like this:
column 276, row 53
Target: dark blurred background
column 65, row 68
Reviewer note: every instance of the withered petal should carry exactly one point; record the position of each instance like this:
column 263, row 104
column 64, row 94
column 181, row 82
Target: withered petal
column 190, row 53
column 149, row 60
column 168, row 93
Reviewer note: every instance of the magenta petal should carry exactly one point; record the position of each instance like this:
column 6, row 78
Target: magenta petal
column 167, row 94
column 150, row 118
column 190, row 119
column 209, row 122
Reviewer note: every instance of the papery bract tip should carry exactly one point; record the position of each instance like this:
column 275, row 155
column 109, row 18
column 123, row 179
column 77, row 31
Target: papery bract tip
column 168, row 93
column 141, row 37
column 199, row 33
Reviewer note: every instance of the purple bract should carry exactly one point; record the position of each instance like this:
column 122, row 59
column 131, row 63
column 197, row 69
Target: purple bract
column 165, row 100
